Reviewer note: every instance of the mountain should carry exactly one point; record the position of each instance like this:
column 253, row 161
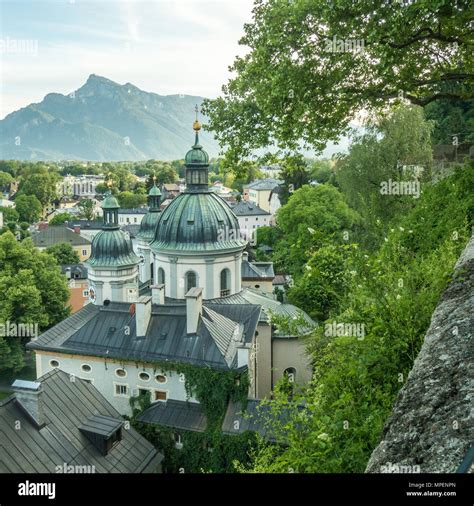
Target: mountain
column 103, row 121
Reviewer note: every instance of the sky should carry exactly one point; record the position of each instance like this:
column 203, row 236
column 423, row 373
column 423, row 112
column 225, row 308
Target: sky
column 163, row 46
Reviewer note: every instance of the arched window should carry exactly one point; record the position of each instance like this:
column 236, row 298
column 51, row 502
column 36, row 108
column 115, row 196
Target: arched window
column 191, row 280
column 161, row 276
column 225, row 282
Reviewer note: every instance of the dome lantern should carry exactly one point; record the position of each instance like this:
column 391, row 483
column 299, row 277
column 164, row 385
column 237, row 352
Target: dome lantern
column 197, row 163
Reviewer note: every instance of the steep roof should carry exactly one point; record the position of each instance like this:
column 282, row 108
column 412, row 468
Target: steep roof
column 177, row 414
column 263, row 184
column 78, row 271
column 56, row 234
column 68, row 406
column 103, row 331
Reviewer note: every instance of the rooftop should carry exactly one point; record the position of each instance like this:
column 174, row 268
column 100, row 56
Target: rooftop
column 57, row 234
column 246, row 208
column 68, row 406
column 263, row 184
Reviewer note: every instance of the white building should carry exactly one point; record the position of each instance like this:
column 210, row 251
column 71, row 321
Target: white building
column 251, row 217
column 259, row 191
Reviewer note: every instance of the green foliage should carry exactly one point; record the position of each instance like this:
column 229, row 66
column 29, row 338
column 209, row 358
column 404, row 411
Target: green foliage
column 5, row 179
column 213, row 389
column 87, row 209
column 64, row 253
column 334, row 424
column 10, row 215
column 28, row 207
column 41, row 183
column 313, row 65
column 129, row 200
column 61, row 218
column 312, row 214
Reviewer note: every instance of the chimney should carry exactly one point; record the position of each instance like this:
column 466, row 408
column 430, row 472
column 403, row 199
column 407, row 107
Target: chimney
column 158, row 294
column 193, row 309
column 77, row 229
column 43, row 225
column 29, row 396
column 68, row 272
column 142, row 314
column 245, row 256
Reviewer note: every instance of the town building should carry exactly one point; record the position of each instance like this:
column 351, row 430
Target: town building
column 257, row 275
column 182, row 301
column 78, row 284
column 259, row 191
column 251, row 217
column 274, row 202
column 84, row 186
column 62, row 424
column 49, row 235
column 132, row 216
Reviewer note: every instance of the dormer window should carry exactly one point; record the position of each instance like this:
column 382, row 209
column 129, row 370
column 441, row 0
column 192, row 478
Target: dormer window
column 104, row 432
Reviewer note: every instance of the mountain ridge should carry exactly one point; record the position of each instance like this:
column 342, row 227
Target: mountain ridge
column 103, row 121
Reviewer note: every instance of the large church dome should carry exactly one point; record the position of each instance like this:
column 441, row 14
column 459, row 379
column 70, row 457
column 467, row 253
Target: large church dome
column 197, row 220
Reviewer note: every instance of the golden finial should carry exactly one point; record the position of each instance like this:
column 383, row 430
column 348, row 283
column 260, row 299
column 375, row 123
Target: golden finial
column 196, row 124
column 154, row 179
column 109, row 181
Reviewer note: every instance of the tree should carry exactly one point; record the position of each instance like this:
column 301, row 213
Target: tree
column 64, row 253
column 313, row 65
column 311, row 216
column 129, row 200
column 10, row 215
column 321, row 171
column 294, row 173
column 5, row 179
column 61, row 218
column 41, row 184
column 391, row 142
column 33, row 291
column 87, row 209
column 29, row 208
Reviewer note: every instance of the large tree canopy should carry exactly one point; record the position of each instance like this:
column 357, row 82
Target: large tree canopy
column 313, row 64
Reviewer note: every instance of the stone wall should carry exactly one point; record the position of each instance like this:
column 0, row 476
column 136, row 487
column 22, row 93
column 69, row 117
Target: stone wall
column 431, row 428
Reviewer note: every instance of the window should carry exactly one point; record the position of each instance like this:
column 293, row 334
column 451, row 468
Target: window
column 135, row 220
column 85, row 293
column 121, row 389
column 121, row 373
column 54, row 363
column 143, row 391
column 113, row 440
column 191, row 281
column 257, row 286
column 160, row 395
column 161, row 276
column 144, row 376
column 86, row 367
column 160, row 378
column 84, row 252
column 256, row 219
column 225, row 282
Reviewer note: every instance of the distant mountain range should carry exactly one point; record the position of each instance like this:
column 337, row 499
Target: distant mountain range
column 103, row 121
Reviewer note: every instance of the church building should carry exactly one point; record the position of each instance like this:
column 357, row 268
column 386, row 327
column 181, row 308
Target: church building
column 179, row 300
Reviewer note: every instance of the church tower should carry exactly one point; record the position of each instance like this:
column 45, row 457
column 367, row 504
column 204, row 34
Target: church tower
column 147, row 232
column 197, row 241
column 112, row 266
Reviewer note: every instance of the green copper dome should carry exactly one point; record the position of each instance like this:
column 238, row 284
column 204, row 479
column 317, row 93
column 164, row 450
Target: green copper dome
column 155, row 191
column 148, row 226
column 196, row 156
column 197, row 222
column 112, row 248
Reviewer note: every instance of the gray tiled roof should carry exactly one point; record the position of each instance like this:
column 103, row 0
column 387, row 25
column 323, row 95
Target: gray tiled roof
column 177, row 414
column 245, row 208
column 57, row 234
column 257, row 270
column 78, row 271
column 110, row 331
column 67, row 406
column 238, row 420
column 263, row 184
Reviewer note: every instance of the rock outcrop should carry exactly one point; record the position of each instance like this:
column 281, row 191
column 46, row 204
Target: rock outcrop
column 431, row 428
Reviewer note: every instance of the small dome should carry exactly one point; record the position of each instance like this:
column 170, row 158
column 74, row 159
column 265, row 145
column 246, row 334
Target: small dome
column 154, row 191
column 112, row 248
column 197, row 222
column 110, row 202
column 196, row 156
column 148, row 226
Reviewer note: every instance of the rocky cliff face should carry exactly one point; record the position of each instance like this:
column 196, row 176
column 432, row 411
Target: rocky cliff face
column 431, row 428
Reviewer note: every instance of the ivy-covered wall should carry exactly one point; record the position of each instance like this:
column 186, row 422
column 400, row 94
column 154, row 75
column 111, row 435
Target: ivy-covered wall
column 211, row 450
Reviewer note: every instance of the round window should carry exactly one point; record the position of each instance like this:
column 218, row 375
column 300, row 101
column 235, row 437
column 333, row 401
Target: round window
column 144, row 376
column 86, row 368
column 160, row 378
column 121, row 372
column 54, row 363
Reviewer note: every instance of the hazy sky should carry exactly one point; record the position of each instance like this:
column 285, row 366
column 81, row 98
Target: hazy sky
column 164, row 46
